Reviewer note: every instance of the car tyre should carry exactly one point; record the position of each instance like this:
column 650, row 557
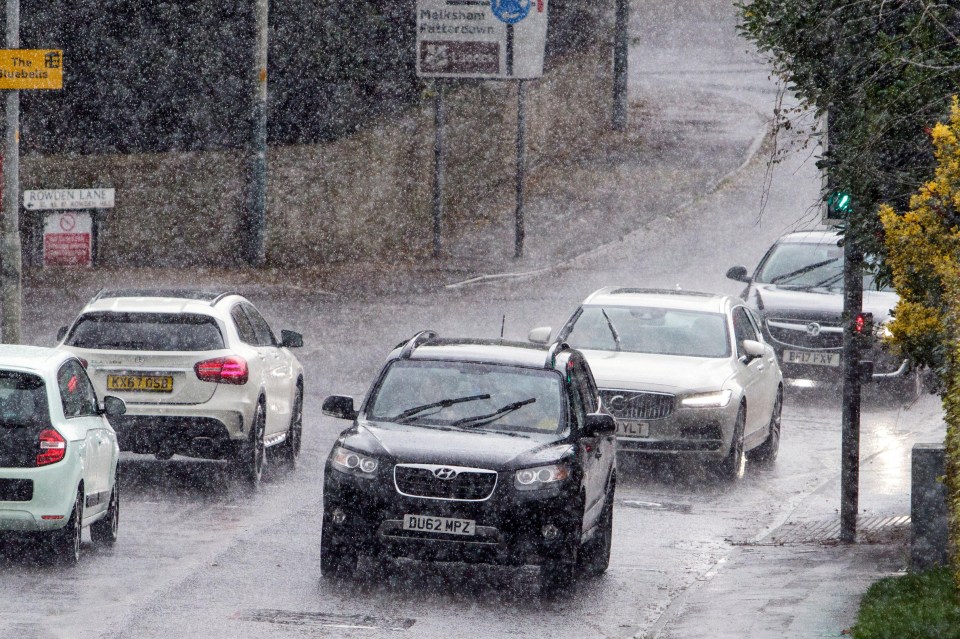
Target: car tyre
column 65, row 543
column 596, row 555
column 766, row 453
column 290, row 449
column 103, row 532
column 731, row 467
column 251, row 454
column 337, row 561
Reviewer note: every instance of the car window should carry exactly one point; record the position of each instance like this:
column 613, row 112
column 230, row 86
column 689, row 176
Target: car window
column 742, row 328
column 244, row 328
column 588, row 393
column 76, row 391
column 650, row 330
column 23, row 400
column 483, row 391
column 263, row 335
column 810, row 265
column 146, row 332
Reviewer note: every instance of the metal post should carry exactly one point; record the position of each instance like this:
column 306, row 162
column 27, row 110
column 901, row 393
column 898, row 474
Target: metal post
column 439, row 164
column 10, row 261
column 620, row 50
column 850, row 445
column 256, row 151
column 521, row 166
column 509, row 50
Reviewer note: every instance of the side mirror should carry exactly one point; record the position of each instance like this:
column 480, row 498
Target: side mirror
column 540, row 335
column 599, row 424
column 113, row 406
column 753, row 349
column 62, row 333
column 339, row 406
column 738, row 273
column 291, row 339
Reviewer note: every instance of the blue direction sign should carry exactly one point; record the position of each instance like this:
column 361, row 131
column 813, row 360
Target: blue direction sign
column 510, row 11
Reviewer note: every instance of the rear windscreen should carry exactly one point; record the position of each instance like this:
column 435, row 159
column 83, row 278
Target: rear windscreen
column 146, row 332
column 23, row 414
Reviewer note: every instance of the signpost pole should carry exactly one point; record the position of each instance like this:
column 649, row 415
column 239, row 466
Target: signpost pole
column 620, row 50
column 850, row 414
column 439, row 167
column 10, row 260
column 521, row 165
column 256, row 148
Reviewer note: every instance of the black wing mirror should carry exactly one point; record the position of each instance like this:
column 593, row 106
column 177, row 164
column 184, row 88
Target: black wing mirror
column 291, row 339
column 339, row 406
column 599, row 424
column 113, row 406
column 738, row 273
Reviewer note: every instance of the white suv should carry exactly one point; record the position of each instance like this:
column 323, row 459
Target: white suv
column 201, row 373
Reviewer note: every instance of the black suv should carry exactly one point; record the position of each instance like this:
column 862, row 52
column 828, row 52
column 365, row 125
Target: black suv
column 474, row 450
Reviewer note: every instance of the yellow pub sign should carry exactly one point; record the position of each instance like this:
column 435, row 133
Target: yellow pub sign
column 25, row 69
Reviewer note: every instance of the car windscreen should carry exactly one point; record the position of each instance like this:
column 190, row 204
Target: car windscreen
column 641, row 329
column 808, row 265
column 146, row 332
column 470, row 395
column 23, row 414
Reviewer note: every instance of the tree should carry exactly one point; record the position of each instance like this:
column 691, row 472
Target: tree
column 923, row 253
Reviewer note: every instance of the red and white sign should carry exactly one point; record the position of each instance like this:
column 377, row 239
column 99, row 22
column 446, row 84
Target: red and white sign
column 68, row 239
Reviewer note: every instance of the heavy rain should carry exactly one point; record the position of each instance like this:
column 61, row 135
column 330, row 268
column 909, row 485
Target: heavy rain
column 437, row 318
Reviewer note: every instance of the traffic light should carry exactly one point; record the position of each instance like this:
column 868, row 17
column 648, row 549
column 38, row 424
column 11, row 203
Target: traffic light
column 839, row 205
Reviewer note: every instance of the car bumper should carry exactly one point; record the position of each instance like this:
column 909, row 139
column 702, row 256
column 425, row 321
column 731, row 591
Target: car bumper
column 367, row 515
column 688, row 431
column 39, row 499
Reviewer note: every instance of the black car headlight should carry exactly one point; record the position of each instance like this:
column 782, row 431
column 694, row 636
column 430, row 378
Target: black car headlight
column 353, row 463
column 540, row 476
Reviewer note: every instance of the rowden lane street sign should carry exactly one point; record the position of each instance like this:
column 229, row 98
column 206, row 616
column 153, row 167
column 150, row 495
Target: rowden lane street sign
column 492, row 39
column 25, row 69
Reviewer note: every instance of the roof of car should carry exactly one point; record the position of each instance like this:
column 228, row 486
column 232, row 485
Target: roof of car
column 32, row 358
column 813, row 236
column 661, row 298
column 156, row 300
column 491, row 351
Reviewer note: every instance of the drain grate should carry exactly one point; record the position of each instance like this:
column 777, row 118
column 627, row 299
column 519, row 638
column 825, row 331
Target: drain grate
column 875, row 529
column 324, row 619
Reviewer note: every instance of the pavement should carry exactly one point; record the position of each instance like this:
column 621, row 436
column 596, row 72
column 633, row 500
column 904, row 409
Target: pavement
column 781, row 583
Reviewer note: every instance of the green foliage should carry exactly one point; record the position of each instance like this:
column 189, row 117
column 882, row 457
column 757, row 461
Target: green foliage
column 884, row 70
column 917, row 606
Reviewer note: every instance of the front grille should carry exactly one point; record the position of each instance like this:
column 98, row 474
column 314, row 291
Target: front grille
column 420, row 480
column 637, row 405
column 16, row 489
column 799, row 333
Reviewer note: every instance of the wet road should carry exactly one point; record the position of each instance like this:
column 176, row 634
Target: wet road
column 198, row 558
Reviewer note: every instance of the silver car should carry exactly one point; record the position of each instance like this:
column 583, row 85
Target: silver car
column 683, row 373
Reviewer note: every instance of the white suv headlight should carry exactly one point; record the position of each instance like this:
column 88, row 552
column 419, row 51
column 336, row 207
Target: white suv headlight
column 717, row 399
column 352, row 463
column 540, row 477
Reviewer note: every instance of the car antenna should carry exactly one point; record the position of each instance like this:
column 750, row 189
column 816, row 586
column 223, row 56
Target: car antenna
column 503, row 325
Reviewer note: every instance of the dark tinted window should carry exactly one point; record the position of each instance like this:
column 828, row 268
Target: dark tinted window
column 23, row 414
column 146, row 332
column 742, row 328
column 244, row 329
column 76, row 392
column 261, row 329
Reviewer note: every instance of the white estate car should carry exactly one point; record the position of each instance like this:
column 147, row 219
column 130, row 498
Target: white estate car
column 682, row 372
column 58, row 453
column 202, row 374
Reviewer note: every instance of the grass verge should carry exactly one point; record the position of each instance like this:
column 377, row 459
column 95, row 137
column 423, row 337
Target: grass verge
column 913, row 606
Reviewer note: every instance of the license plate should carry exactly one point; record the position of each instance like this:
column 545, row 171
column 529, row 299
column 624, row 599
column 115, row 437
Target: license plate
column 440, row 525
column 812, row 358
column 629, row 428
column 141, row 383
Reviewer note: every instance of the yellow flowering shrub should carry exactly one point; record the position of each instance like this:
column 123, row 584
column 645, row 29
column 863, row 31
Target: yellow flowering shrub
column 923, row 247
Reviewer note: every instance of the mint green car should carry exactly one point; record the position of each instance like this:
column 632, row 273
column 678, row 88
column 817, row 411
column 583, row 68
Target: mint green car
column 58, row 453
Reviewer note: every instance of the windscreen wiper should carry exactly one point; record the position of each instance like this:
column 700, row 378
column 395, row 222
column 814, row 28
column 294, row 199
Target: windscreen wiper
column 801, row 271
column 480, row 420
column 613, row 331
column 443, row 403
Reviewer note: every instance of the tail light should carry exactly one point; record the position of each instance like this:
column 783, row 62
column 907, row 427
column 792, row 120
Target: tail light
column 223, row 370
column 53, row 447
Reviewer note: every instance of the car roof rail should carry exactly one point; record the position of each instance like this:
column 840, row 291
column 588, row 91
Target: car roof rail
column 96, row 296
column 415, row 341
column 555, row 349
column 219, row 297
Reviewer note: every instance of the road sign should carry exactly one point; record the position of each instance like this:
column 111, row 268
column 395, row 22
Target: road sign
column 46, row 199
column 31, row 69
column 68, row 239
column 493, row 39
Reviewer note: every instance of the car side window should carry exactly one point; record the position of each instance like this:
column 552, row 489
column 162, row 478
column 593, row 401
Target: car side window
column 742, row 329
column 577, row 410
column 76, row 392
column 264, row 336
column 588, row 392
column 244, row 329
column 756, row 324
